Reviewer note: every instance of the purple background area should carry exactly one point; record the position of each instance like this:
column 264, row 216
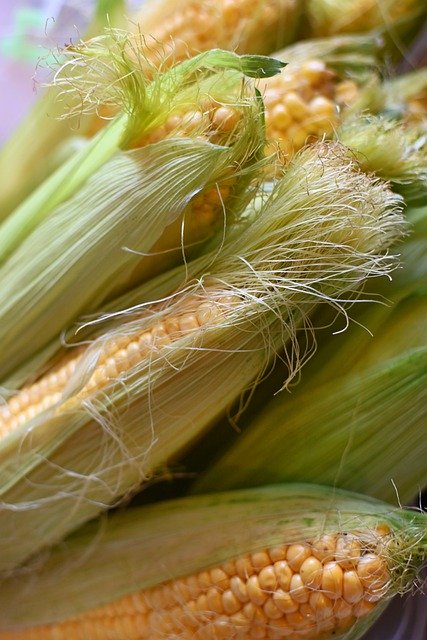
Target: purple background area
column 53, row 23
column 28, row 30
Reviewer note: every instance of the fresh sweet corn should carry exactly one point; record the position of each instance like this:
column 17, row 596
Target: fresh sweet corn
column 117, row 356
column 320, row 85
column 167, row 33
column 362, row 398
column 114, row 426
column 312, row 563
column 130, row 201
column 305, row 102
column 111, row 74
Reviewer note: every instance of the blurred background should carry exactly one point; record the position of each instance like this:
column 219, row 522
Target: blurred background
column 30, row 33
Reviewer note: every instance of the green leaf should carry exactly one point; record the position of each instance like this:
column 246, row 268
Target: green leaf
column 75, row 257
column 58, row 187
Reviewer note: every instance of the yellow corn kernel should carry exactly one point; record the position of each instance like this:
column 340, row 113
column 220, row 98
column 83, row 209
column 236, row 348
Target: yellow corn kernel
column 209, row 121
column 189, row 27
column 218, row 603
column 117, row 356
column 303, row 104
column 202, row 218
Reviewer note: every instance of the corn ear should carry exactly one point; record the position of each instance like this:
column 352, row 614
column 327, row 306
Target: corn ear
column 110, row 426
column 112, row 74
column 52, row 139
column 362, row 402
column 301, row 535
column 128, row 202
column 244, row 26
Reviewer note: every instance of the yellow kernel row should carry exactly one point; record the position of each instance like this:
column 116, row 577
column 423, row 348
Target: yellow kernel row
column 187, row 28
column 209, row 120
column 116, row 357
column 303, row 103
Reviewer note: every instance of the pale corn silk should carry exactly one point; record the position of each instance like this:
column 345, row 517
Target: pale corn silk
column 28, row 28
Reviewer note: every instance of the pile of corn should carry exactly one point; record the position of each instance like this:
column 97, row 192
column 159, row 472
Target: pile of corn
column 171, row 265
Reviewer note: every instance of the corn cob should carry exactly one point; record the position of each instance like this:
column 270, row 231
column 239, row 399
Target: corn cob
column 119, row 427
column 308, row 99
column 315, row 563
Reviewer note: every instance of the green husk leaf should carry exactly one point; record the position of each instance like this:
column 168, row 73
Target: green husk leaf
column 368, row 433
column 111, row 558
column 127, row 203
column 252, row 66
column 58, row 188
